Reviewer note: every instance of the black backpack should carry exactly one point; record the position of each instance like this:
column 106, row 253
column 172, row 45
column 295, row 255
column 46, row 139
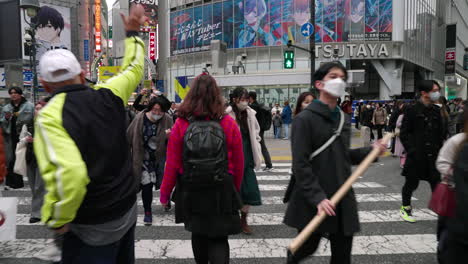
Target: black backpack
column 205, row 155
column 264, row 117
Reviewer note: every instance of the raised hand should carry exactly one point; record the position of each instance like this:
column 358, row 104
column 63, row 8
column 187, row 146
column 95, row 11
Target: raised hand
column 135, row 19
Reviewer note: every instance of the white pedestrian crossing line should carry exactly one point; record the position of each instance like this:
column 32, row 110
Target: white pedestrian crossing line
column 282, row 187
column 274, row 200
column 247, row 248
column 377, row 216
column 275, row 187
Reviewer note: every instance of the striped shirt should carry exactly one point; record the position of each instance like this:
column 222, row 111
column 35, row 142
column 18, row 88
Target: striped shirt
column 174, row 163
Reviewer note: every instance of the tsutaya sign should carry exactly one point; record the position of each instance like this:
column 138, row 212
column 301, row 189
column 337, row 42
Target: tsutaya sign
column 353, row 50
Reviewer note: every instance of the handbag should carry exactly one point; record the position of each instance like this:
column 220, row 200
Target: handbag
column 443, row 200
column 8, row 208
column 335, row 135
column 20, row 166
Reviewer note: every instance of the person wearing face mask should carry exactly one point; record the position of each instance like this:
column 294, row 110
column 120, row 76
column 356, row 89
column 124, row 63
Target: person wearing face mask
column 148, row 134
column 303, row 101
column 379, row 119
column 250, row 130
column 366, row 122
column 422, row 134
column 315, row 182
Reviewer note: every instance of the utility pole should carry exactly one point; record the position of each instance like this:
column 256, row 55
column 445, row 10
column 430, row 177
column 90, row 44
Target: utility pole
column 312, row 45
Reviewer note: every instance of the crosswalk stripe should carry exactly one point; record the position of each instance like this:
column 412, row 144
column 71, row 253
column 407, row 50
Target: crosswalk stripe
column 268, row 200
column 248, row 248
column 377, row 216
column 280, row 187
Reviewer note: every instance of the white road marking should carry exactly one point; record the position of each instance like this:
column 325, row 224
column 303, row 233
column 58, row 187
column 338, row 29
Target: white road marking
column 268, row 200
column 377, row 216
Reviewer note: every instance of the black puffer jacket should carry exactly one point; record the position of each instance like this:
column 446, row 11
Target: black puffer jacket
column 321, row 178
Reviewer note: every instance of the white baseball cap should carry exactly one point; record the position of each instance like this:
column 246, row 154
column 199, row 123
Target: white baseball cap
column 59, row 65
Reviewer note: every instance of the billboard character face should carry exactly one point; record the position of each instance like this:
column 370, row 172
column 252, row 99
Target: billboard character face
column 300, row 11
column 50, row 24
column 254, row 11
column 357, row 11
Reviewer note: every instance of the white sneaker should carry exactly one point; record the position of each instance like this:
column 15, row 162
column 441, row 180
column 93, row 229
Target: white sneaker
column 51, row 253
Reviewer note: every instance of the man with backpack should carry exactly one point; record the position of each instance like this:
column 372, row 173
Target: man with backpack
column 264, row 119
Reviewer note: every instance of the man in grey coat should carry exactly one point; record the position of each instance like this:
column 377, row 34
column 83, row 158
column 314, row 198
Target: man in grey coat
column 319, row 179
column 14, row 115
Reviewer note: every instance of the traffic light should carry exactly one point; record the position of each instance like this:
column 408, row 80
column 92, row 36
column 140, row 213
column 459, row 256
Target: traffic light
column 288, row 57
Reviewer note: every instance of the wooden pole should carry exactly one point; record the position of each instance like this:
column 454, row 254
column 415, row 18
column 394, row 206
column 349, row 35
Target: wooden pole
column 318, row 219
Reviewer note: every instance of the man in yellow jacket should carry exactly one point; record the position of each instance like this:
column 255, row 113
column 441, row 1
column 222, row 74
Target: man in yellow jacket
column 84, row 157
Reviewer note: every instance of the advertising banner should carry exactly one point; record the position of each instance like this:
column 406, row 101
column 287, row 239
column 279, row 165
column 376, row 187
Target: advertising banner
column 107, row 72
column 27, row 77
column 256, row 23
column 53, row 31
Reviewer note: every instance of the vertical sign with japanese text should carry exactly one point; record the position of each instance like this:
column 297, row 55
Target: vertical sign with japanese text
column 450, row 49
column 153, row 46
column 97, row 15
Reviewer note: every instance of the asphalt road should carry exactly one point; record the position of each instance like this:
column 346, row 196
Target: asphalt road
column 384, row 237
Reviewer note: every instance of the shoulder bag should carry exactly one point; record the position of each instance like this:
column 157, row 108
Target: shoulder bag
column 336, row 134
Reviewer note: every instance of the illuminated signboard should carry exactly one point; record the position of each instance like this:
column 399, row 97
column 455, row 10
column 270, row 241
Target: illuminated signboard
column 153, row 45
column 97, row 15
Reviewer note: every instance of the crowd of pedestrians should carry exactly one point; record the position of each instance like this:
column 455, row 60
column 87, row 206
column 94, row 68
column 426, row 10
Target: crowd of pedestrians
column 203, row 156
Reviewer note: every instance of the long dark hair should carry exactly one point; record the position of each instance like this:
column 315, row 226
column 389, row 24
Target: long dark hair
column 203, row 100
column 300, row 100
column 241, row 117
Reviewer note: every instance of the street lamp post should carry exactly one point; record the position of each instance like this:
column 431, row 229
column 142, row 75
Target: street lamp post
column 30, row 9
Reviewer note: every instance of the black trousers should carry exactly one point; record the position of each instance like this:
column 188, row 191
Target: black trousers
column 379, row 131
column 75, row 251
column 147, row 196
column 265, row 153
column 457, row 249
column 411, row 184
column 210, row 250
column 356, row 119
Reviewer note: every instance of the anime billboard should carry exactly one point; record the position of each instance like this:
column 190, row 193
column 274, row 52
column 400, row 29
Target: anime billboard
column 257, row 23
column 53, row 31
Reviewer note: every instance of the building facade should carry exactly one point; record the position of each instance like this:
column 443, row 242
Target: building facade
column 387, row 45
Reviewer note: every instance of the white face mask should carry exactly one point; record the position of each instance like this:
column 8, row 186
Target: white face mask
column 335, row 87
column 434, row 96
column 242, row 106
column 305, row 105
column 156, row 117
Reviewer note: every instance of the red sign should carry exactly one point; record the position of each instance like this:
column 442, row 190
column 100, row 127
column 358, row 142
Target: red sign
column 153, row 45
column 97, row 15
column 450, row 55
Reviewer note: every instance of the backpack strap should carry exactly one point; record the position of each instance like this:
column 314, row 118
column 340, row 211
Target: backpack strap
column 336, row 134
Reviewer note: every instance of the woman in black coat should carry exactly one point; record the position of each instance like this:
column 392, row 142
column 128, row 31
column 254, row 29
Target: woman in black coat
column 319, row 179
column 422, row 134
